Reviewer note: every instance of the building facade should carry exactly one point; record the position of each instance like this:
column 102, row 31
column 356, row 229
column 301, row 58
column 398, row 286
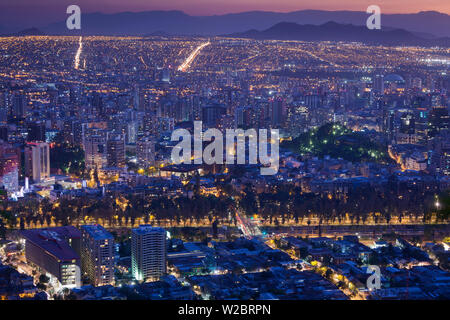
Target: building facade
column 97, row 255
column 55, row 252
column 148, row 252
column 145, row 151
column 37, row 161
column 9, row 168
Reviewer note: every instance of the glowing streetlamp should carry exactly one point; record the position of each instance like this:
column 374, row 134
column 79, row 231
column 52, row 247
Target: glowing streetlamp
column 437, row 204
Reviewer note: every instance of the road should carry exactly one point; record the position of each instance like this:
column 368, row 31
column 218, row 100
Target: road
column 78, row 54
column 187, row 63
column 248, row 227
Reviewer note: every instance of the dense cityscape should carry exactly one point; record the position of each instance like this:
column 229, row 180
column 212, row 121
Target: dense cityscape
column 93, row 207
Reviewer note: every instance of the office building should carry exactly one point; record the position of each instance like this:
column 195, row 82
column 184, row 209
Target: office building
column 55, row 251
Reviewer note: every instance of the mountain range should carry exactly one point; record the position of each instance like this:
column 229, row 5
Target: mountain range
column 429, row 23
column 332, row 31
column 25, row 32
column 426, row 24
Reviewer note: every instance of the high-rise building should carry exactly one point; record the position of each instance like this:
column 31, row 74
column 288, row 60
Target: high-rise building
column 145, row 151
column 94, row 144
column 97, row 103
column 439, row 119
column 97, row 255
column 417, row 83
column 245, row 117
column 9, row 164
column 212, row 113
column 18, row 106
column 148, row 252
column 37, row 160
column 4, row 133
column 36, row 131
column 444, row 163
column 55, row 251
column 3, row 107
column 165, row 75
column 278, row 112
column 440, row 154
column 115, row 148
column 407, row 123
column 378, row 84
column 132, row 129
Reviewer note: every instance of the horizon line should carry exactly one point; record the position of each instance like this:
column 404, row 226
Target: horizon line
column 248, row 11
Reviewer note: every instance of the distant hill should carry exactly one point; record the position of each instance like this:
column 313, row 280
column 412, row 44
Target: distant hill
column 30, row 32
column 332, row 31
column 337, row 141
column 26, row 32
column 180, row 23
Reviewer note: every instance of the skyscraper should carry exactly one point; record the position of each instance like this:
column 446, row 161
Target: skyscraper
column 212, row 113
column 97, row 255
column 145, row 151
column 37, row 160
column 132, row 129
column 378, row 84
column 148, row 252
column 3, row 107
column 9, row 163
column 278, row 112
column 94, row 144
column 4, row 133
column 115, row 148
column 36, row 131
column 18, row 106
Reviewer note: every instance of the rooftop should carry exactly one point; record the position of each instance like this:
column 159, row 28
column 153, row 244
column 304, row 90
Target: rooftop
column 146, row 228
column 97, row 232
column 54, row 241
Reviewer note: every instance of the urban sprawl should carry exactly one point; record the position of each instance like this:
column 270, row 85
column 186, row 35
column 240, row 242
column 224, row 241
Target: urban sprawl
column 92, row 205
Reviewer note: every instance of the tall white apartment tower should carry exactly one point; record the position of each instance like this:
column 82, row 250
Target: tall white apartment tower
column 148, row 252
column 37, row 160
column 97, row 255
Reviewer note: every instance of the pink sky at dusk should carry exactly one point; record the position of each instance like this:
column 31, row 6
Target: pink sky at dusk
column 54, row 10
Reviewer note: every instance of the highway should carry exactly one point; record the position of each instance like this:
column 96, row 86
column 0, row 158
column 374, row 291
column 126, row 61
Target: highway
column 78, row 54
column 187, row 63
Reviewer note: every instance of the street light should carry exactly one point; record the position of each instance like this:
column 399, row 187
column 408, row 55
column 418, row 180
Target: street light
column 437, row 205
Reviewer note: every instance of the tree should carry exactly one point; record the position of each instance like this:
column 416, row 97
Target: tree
column 41, row 286
column 43, row 278
column 68, row 158
column 2, row 229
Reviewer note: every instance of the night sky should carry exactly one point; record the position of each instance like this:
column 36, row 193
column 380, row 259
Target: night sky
column 43, row 12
